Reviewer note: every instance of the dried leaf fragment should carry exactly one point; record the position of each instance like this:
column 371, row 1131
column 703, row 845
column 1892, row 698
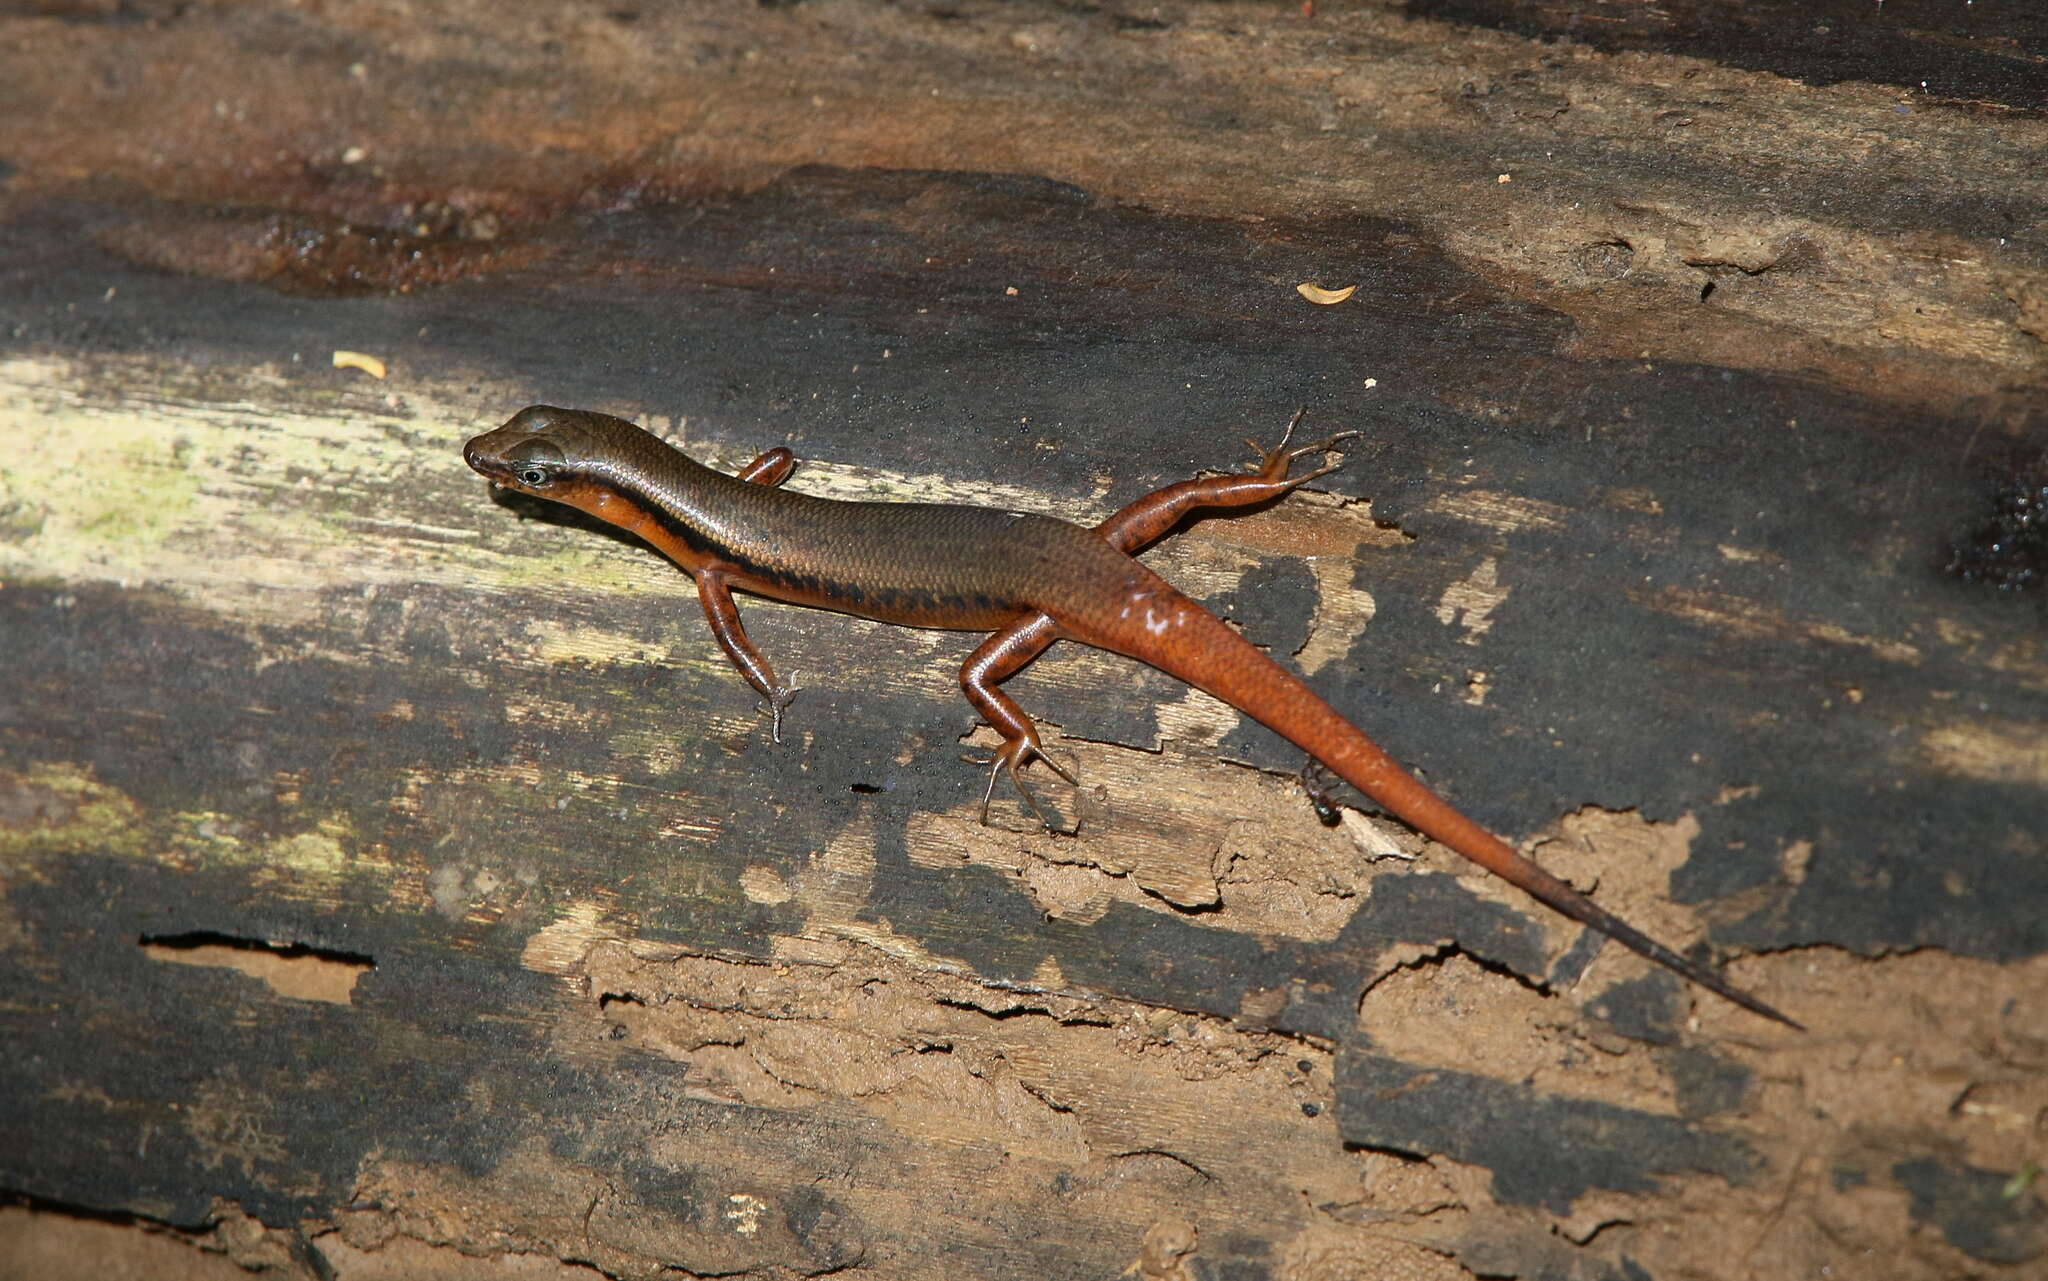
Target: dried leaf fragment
column 1315, row 293
column 358, row 360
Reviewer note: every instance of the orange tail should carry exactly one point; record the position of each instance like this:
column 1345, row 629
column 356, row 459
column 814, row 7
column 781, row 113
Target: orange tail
column 1178, row 636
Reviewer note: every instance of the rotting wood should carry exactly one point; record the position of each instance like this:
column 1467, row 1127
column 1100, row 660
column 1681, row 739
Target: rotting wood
column 649, row 992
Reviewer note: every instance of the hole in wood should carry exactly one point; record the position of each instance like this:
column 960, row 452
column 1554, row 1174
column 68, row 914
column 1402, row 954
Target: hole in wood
column 290, row 969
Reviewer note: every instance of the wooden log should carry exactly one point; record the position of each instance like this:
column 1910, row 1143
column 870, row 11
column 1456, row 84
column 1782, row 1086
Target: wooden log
column 394, row 876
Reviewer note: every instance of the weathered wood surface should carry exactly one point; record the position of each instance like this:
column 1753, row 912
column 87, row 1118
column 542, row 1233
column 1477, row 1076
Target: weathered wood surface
column 395, row 877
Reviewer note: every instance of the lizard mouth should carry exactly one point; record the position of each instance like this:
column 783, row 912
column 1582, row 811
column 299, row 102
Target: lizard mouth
column 529, row 451
column 499, row 456
column 481, row 461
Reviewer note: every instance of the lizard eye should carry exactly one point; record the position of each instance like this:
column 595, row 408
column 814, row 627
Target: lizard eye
column 534, row 476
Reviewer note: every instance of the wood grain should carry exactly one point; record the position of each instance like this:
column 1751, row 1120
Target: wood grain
column 392, row 876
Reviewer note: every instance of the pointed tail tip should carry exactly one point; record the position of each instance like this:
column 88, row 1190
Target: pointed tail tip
column 1692, row 971
column 1709, row 979
column 1754, row 1006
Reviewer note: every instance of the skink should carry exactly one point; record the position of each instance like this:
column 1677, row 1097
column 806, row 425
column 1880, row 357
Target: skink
column 1027, row 579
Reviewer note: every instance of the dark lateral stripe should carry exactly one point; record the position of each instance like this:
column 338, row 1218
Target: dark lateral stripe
column 843, row 594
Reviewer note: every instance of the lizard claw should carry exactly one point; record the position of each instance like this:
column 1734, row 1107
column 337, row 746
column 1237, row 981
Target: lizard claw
column 776, row 700
column 1274, row 462
column 1010, row 758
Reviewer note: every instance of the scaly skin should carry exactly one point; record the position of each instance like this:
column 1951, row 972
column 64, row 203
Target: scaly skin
column 1028, row 579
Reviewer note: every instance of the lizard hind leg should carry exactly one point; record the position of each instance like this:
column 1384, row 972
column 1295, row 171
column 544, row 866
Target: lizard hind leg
column 1274, row 463
column 1150, row 518
column 1010, row 758
column 995, row 660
